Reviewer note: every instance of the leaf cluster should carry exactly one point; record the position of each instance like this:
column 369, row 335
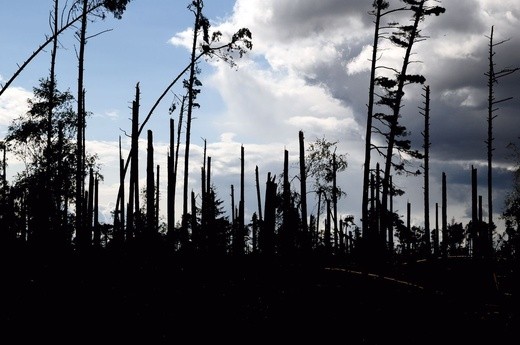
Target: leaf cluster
column 27, row 134
column 319, row 164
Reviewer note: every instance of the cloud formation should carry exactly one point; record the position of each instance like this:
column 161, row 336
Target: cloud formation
column 12, row 104
column 309, row 70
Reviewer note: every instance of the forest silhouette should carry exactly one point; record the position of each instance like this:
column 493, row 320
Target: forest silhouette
column 282, row 275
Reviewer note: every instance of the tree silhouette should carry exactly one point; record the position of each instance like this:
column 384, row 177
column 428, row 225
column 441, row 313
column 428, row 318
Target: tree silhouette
column 511, row 213
column 192, row 86
column 27, row 138
column 493, row 78
column 117, row 7
column 84, row 7
column 203, row 284
column 323, row 164
column 405, row 37
column 426, row 135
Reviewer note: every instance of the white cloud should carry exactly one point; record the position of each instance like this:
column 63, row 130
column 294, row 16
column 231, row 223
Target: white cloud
column 327, row 124
column 361, row 62
column 512, row 18
column 268, row 106
column 465, row 48
column 464, row 97
column 112, row 114
column 183, row 38
column 13, row 103
column 107, row 151
column 308, row 71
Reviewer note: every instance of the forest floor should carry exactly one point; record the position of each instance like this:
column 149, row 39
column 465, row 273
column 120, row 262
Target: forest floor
column 157, row 299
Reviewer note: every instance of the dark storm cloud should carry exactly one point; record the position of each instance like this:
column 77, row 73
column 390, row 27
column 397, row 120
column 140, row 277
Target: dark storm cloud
column 326, row 44
column 457, row 80
column 459, row 93
column 303, row 17
column 461, row 16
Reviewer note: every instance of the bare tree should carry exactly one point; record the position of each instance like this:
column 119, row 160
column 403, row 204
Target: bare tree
column 426, row 135
column 405, row 37
column 493, row 78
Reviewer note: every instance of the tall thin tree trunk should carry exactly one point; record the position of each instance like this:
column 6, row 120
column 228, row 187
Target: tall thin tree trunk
column 491, row 101
column 4, row 169
column 381, row 234
column 258, row 195
column 335, row 200
column 4, row 203
column 90, row 202
column 133, row 194
column 285, row 236
column 318, row 218
column 255, row 233
column 157, row 195
column 210, row 235
column 493, row 77
column 204, row 196
column 391, row 221
column 191, row 97
column 444, row 217
column 368, row 133
column 150, row 187
column 241, row 222
column 193, row 219
column 303, row 189
column 327, row 234
column 121, row 230
column 474, row 216
column 436, row 237
column 203, row 182
column 208, row 176
column 372, row 234
column 80, row 164
column 176, row 159
column 61, row 190
column 341, row 238
column 233, row 215
column 97, row 230
column 408, row 237
column 170, row 209
column 267, row 235
column 52, row 77
column 426, row 146
column 396, row 108
column 52, row 187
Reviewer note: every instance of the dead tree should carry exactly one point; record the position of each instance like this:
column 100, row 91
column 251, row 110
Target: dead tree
column 80, row 156
column 267, row 231
column 133, row 193
column 170, row 209
column 157, row 196
column 241, row 205
column 97, row 230
column 150, row 187
column 405, row 37
column 426, row 135
column 286, row 233
column 335, row 200
column 257, row 180
column 493, row 78
column 120, row 230
column 444, row 216
column 379, row 6
column 303, row 190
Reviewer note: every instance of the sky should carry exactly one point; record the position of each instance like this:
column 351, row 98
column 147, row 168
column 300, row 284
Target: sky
column 308, row 70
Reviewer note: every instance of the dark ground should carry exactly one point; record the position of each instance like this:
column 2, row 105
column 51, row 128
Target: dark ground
column 158, row 299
